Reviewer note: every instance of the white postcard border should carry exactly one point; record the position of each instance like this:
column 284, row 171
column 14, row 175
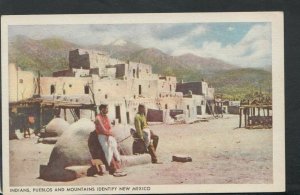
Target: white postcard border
column 276, row 18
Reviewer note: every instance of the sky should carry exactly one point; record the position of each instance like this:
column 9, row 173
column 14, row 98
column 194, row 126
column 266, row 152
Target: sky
column 241, row 44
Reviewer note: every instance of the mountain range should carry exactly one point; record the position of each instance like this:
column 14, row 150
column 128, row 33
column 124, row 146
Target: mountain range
column 51, row 54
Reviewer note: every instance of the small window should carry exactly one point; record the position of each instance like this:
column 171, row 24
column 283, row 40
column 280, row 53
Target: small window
column 106, row 96
column 166, row 106
column 70, row 85
column 188, row 107
column 140, row 89
column 117, row 84
column 86, row 89
column 52, row 89
column 20, row 80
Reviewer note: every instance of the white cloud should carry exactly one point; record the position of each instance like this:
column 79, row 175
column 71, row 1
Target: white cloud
column 230, row 28
column 254, row 49
column 200, row 30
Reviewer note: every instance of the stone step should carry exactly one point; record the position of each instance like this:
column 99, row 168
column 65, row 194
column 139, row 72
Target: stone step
column 74, row 172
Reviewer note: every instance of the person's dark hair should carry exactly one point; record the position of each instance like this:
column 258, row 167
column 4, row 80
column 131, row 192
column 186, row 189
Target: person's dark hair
column 141, row 106
column 102, row 106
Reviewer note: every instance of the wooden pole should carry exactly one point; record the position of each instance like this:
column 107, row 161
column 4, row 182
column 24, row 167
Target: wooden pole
column 39, row 83
column 41, row 115
column 248, row 118
column 245, row 115
column 65, row 114
column 240, row 114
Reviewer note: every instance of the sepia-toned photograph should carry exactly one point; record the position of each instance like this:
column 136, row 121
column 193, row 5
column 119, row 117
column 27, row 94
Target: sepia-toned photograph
column 143, row 103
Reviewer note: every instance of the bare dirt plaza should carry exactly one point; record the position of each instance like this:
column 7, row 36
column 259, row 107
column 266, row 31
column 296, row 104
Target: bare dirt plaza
column 221, row 154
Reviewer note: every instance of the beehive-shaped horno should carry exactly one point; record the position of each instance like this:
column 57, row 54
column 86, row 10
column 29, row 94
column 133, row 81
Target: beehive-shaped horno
column 56, row 127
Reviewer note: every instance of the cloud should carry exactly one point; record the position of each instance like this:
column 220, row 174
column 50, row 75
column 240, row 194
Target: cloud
column 176, row 31
column 230, row 28
column 252, row 50
column 171, row 42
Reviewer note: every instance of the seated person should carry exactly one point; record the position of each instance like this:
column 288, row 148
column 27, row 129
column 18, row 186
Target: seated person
column 145, row 134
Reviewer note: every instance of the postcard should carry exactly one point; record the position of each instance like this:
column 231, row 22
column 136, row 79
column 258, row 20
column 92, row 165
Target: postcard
column 143, row 103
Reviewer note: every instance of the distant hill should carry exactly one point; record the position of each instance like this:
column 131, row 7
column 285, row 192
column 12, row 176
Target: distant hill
column 45, row 55
column 236, row 84
column 160, row 61
column 49, row 55
column 207, row 64
column 120, row 49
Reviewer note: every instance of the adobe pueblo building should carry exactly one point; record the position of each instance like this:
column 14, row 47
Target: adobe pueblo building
column 94, row 78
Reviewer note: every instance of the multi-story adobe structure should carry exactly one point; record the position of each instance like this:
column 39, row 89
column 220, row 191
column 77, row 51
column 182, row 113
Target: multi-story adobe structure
column 95, row 78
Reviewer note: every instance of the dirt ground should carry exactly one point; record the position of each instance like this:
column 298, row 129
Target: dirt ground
column 221, row 154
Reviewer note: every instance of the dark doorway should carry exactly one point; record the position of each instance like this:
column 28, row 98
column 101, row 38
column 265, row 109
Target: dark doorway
column 133, row 72
column 77, row 112
column 118, row 113
column 199, row 110
column 154, row 115
column 127, row 116
column 52, row 89
column 140, row 89
column 86, row 89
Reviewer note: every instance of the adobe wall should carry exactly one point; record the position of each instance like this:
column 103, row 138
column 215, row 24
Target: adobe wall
column 143, row 88
column 63, row 73
column 167, row 86
column 21, row 84
column 211, row 93
column 110, row 90
column 77, row 60
column 197, row 88
column 87, row 59
column 64, row 85
column 139, row 70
